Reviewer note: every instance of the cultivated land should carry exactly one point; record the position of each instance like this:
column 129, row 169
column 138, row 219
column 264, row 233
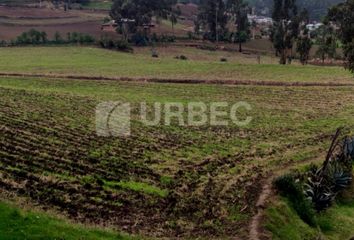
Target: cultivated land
column 16, row 20
column 204, row 65
column 165, row 181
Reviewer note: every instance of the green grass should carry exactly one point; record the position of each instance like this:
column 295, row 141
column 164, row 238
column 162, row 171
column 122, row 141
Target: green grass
column 98, row 62
column 20, row 224
column 334, row 224
column 284, row 224
column 138, row 187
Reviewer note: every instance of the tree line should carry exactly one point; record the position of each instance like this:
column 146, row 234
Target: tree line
column 289, row 32
column 35, row 37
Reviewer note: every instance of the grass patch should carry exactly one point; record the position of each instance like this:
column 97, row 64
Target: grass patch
column 19, row 224
column 138, row 187
column 99, row 62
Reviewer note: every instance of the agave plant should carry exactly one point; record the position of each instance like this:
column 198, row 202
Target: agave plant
column 340, row 179
column 325, row 183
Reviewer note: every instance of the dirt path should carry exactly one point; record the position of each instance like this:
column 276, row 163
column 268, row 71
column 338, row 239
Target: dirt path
column 255, row 229
column 183, row 81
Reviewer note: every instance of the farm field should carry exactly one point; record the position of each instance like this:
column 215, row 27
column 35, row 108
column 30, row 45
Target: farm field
column 203, row 65
column 164, row 181
column 16, row 20
column 153, row 124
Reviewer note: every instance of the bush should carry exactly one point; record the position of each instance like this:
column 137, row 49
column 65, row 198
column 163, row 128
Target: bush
column 119, row 45
column 223, row 60
column 140, row 39
column 32, row 37
column 181, row 57
column 123, row 46
column 289, row 186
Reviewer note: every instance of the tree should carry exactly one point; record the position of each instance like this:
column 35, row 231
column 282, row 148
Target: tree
column 303, row 47
column 140, row 11
column 343, row 16
column 173, row 17
column 285, row 27
column 213, row 18
column 326, row 41
column 304, row 42
column 239, row 10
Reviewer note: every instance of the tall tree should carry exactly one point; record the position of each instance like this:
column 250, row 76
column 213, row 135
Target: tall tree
column 213, row 18
column 285, row 28
column 304, row 42
column 239, row 9
column 303, row 47
column 343, row 16
column 326, row 41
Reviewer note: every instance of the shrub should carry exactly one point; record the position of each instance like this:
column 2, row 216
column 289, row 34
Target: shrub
column 181, row 57
column 123, row 46
column 140, row 39
column 3, row 43
column 119, row 45
column 289, row 186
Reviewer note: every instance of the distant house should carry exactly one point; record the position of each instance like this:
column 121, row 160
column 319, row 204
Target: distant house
column 110, row 26
column 313, row 26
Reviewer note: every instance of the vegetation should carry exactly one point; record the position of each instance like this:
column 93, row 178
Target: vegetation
column 90, row 61
column 133, row 16
column 343, row 15
column 95, row 178
column 34, row 37
column 326, row 41
column 285, row 28
column 19, row 224
column 240, row 9
column 212, row 17
column 317, row 188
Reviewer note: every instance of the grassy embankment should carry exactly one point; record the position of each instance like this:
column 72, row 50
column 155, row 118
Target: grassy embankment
column 336, row 223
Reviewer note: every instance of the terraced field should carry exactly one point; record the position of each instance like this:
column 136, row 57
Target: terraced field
column 165, row 181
